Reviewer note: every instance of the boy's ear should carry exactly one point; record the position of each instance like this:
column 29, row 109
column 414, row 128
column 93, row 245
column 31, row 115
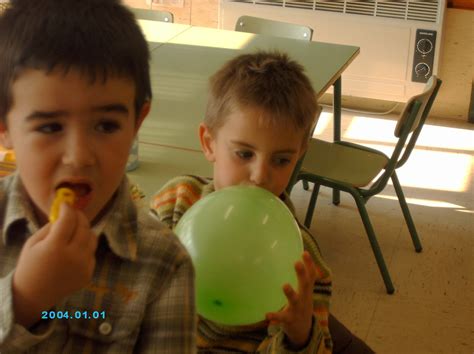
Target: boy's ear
column 142, row 115
column 5, row 140
column 207, row 142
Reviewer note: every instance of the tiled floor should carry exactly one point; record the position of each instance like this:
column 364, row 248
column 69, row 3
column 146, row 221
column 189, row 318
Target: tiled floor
column 432, row 309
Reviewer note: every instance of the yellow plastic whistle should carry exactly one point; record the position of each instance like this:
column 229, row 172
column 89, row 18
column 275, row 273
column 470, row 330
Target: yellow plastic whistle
column 65, row 195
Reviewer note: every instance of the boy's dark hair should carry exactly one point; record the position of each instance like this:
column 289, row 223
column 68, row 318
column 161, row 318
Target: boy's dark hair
column 99, row 38
column 267, row 81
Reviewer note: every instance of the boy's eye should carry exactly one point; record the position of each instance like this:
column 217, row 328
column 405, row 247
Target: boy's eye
column 108, row 127
column 245, row 155
column 282, row 161
column 49, row 128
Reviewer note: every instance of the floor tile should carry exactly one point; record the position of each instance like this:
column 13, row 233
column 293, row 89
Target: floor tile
column 418, row 326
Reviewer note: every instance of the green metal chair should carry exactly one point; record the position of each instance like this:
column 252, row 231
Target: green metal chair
column 364, row 172
column 152, row 15
column 274, row 28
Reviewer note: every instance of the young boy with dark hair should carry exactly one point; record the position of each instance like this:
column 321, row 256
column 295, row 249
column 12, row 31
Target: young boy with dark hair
column 105, row 277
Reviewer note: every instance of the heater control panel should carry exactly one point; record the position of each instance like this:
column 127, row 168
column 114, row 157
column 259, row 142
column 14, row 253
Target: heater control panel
column 423, row 59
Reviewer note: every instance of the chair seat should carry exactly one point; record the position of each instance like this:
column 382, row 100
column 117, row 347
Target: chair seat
column 351, row 165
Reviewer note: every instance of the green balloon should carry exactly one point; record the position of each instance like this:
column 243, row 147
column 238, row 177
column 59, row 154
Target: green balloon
column 244, row 242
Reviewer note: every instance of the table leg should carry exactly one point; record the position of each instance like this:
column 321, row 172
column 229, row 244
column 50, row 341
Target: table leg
column 337, row 127
column 337, row 109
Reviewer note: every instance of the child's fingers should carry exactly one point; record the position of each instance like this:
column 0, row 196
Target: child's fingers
column 291, row 295
column 310, row 267
column 62, row 230
column 271, row 319
column 275, row 318
column 305, row 283
column 39, row 235
column 84, row 238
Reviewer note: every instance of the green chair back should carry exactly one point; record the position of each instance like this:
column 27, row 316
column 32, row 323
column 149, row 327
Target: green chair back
column 411, row 121
column 403, row 127
column 274, row 28
column 152, row 15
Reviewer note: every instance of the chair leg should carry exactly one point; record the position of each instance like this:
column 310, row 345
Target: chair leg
column 336, row 196
column 406, row 213
column 373, row 242
column 311, row 205
column 305, row 185
column 290, row 185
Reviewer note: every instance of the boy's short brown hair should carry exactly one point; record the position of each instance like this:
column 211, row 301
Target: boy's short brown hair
column 268, row 81
column 99, row 38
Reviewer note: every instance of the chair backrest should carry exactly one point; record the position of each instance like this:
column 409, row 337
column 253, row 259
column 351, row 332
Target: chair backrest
column 259, row 25
column 423, row 97
column 407, row 124
column 152, row 15
column 411, row 120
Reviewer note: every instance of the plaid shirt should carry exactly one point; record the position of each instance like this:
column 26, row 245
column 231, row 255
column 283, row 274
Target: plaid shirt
column 143, row 283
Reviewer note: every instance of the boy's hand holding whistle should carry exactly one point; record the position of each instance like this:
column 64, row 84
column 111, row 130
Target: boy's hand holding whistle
column 56, row 261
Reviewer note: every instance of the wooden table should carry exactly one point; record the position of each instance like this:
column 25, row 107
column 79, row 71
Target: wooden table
column 181, row 67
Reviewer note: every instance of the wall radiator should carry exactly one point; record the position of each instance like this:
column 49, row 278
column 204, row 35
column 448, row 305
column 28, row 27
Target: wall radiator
column 400, row 41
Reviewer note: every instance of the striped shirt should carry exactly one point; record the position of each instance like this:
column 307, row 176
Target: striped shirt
column 169, row 204
column 143, row 284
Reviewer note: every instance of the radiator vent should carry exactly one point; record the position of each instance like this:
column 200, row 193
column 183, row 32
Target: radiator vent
column 360, row 8
column 414, row 10
column 422, row 11
column 334, row 6
column 392, row 9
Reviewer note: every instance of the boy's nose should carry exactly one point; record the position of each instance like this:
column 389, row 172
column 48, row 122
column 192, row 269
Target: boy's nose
column 79, row 151
column 260, row 174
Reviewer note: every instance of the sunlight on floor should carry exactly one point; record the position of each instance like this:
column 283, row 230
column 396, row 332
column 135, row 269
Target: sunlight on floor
column 429, row 169
column 446, row 138
column 325, row 119
column 381, row 130
column 442, row 158
column 424, row 202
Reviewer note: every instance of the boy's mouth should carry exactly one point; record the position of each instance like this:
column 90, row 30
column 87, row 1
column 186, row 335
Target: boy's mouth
column 82, row 193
